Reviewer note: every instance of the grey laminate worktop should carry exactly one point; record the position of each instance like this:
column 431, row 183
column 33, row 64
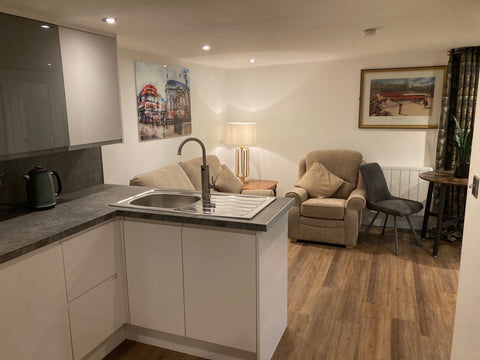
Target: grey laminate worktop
column 81, row 210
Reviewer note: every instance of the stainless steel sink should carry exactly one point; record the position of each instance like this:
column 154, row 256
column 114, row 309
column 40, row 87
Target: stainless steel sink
column 189, row 202
column 160, row 200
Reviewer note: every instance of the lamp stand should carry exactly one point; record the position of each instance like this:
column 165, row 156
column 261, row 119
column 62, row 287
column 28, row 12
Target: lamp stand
column 242, row 163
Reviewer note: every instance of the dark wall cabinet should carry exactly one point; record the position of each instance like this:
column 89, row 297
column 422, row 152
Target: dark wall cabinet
column 58, row 88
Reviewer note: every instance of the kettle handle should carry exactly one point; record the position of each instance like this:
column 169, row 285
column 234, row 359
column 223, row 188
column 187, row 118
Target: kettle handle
column 59, row 182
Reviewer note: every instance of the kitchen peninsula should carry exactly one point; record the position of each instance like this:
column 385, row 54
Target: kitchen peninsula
column 210, row 286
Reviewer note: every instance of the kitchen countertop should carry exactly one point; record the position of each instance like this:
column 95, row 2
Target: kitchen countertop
column 83, row 209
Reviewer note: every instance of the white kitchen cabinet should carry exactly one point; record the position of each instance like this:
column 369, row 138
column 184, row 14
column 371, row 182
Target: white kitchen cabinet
column 95, row 280
column 33, row 308
column 89, row 64
column 92, row 257
column 96, row 315
column 32, row 98
column 220, row 287
column 58, row 88
column 154, row 276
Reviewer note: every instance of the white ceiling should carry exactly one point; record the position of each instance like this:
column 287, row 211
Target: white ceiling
column 272, row 31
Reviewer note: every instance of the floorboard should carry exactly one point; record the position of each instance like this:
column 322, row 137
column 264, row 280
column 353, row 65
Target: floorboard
column 363, row 303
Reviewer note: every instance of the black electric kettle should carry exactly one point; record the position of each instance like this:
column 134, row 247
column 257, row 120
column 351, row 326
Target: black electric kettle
column 40, row 191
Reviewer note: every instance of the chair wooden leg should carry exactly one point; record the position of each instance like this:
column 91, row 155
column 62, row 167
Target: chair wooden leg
column 384, row 224
column 396, row 235
column 414, row 232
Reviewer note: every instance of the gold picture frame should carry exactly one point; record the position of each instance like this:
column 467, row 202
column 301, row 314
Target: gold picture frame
column 401, row 98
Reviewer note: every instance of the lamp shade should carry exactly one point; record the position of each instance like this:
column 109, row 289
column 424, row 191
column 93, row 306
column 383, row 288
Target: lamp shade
column 241, row 133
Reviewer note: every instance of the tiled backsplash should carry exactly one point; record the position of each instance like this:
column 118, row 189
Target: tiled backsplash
column 78, row 170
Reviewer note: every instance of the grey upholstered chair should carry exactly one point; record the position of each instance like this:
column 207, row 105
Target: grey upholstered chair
column 380, row 200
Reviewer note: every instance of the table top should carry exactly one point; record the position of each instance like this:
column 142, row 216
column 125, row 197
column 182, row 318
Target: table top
column 255, row 184
column 443, row 177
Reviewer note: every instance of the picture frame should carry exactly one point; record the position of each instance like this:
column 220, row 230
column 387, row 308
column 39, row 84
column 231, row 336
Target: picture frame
column 401, row 98
column 163, row 101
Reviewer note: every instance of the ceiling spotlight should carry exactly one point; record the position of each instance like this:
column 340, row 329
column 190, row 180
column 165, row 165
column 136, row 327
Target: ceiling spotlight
column 251, row 61
column 45, row 26
column 369, row 32
column 206, row 47
column 49, row 64
column 110, row 20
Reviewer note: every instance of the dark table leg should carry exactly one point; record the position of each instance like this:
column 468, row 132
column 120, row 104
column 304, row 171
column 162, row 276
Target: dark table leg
column 443, row 193
column 427, row 209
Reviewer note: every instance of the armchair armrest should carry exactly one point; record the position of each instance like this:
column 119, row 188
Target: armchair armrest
column 356, row 201
column 299, row 194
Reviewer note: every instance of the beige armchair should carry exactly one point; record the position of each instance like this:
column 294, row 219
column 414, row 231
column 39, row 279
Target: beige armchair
column 335, row 219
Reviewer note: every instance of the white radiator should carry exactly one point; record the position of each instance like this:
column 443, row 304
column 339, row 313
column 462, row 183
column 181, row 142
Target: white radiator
column 403, row 182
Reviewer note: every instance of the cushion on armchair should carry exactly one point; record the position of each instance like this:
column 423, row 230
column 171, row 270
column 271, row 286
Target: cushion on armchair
column 344, row 190
column 323, row 208
column 319, row 182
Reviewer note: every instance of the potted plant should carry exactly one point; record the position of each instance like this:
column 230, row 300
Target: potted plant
column 463, row 143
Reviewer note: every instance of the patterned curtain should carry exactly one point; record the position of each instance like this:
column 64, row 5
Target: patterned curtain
column 459, row 99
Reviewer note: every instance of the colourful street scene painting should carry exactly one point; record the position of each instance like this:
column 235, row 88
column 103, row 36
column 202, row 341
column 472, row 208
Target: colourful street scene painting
column 163, row 101
column 402, row 96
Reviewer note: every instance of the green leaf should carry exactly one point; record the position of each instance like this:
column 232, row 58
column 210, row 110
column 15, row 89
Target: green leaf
column 468, row 145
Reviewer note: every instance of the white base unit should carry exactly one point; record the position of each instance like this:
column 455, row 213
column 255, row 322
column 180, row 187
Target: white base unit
column 220, row 287
column 33, row 308
column 96, row 315
column 95, row 280
column 155, row 276
column 92, row 256
column 216, row 293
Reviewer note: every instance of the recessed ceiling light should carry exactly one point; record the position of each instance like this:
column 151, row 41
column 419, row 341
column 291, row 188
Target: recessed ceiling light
column 251, row 61
column 110, row 20
column 49, row 64
column 206, row 47
column 45, row 26
column 369, row 32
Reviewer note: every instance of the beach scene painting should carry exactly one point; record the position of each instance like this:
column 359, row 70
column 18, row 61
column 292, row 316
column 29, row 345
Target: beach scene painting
column 163, row 101
column 401, row 98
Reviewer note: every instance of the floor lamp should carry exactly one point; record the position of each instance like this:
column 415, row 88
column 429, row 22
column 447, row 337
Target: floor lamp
column 241, row 134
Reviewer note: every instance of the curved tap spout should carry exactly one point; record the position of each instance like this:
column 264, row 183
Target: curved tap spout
column 180, row 147
column 205, row 174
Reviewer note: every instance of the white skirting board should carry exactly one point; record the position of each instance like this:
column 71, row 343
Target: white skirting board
column 403, row 182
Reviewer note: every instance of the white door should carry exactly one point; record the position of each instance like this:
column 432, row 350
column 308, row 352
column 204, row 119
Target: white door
column 466, row 334
column 154, row 276
column 220, row 287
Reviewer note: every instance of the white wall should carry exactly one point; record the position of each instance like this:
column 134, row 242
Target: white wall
column 466, row 336
column 299, row 108
column 208, row 94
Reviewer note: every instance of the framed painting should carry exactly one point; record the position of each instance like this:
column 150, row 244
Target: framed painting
column 163, row 101
column 403, row 98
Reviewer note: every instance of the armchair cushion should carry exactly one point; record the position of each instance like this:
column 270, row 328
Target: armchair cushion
column 227, row 181
column 319, row 182
column 299, row 194
column 344, row 190
column 330, row 208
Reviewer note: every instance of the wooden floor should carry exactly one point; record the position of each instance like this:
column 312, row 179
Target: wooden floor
column 363, row 303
